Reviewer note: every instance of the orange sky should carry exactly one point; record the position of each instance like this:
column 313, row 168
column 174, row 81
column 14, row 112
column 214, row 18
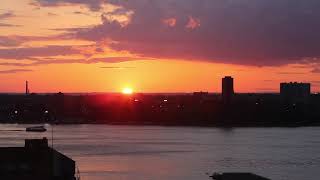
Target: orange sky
column 88, row 65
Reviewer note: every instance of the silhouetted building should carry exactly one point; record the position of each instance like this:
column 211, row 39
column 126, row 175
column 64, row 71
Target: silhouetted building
column 227, row 89
column 237, row 176
column 35, row 161
column 295, row 92
column 27, row 88
column 200, row 94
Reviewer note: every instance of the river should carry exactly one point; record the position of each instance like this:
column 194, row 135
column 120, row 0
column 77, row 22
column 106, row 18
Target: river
column 104, row 152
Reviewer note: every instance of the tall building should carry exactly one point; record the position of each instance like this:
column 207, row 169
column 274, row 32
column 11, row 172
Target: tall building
column 295, row 92
column 227, row 88
column 27, row 88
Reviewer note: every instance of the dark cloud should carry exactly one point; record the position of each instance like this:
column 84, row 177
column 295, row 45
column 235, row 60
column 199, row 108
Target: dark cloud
column 13, row 71
column 74, row 29
column 261, row 32
column 92, row 4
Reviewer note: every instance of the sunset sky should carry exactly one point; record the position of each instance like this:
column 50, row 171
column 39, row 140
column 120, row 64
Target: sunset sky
column 158, row 45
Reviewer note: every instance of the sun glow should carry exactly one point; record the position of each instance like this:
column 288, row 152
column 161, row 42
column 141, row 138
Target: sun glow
column 127, row 91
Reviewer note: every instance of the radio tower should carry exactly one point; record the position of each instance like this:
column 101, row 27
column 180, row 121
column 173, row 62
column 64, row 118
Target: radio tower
column 27, row 88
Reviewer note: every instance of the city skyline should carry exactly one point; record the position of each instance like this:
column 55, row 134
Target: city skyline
column 157, row 46
column 227, row 88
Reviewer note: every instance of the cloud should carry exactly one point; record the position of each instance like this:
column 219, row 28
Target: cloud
column 48, row 61
column 315, row 70
column 259, row 33
column 82, row 61
column 72, row 29
column 9, row 25
column 81, row 13
column 8, row 41
column 171, row 22
column 15, row 64
column 288, row 73
column 116, row 67
column 193, row 23
column 52, row 14
column 13, row 71
column 92, row 4
column 32, row 52
column 13, row 40
column 7, row 15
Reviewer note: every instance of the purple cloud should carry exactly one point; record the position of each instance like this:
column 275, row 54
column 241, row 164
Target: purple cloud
column 262, row 32
column 92, row 4
column 10, row 41
column 32, row 52
column 7, row 15
column 48, row 61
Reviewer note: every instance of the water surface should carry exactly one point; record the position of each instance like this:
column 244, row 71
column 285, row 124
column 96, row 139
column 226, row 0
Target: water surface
column 181, row 153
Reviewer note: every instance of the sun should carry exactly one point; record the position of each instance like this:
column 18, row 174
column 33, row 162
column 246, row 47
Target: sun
column 127, row 90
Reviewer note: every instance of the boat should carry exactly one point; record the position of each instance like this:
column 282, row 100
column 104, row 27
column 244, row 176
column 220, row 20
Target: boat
column 36, row 129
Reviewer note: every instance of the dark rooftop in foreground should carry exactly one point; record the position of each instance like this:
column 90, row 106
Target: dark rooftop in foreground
column 35, row 161
column 237, row 176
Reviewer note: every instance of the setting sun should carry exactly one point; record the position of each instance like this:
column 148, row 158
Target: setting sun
column 127, row 90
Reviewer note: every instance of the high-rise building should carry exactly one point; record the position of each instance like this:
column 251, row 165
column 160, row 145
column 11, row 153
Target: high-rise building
column 227, row 88
column 27, row 88
column 295, row 92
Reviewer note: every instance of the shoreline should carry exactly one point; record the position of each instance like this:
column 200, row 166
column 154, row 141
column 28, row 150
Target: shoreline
column 174, row 125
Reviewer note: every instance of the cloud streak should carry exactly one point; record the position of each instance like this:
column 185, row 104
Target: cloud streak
column 14, row 71
column 315, row 70
column 7, row 15
column 116, row 67
column 52, row 61
column 92, row 4
column 9, row 25
column 30, row 53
